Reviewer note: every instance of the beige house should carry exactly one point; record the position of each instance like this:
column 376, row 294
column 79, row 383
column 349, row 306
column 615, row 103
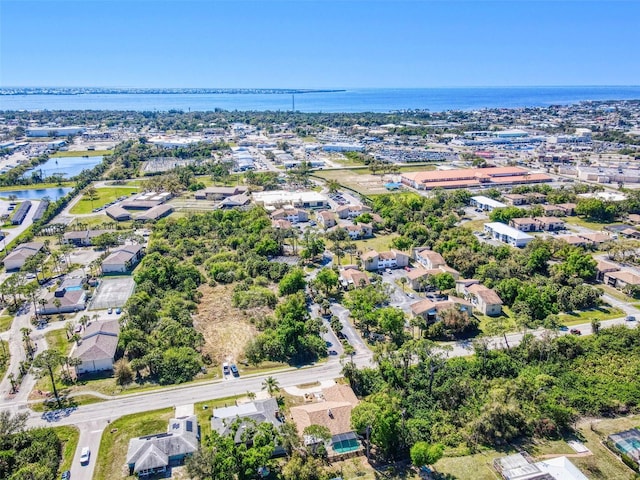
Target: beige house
column 621, row 279
column 351, row 277
column 428, row 258
column 373, row 260
column 430, row 310
column 351, row 211
column 97, row 349
column 292, row 214
column 485, row 300
column 23, row 252
column 362, row 230
column 333, row 411
column 326, row 219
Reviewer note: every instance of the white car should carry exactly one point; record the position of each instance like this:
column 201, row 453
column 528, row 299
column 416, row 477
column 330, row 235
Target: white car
column 84, row 455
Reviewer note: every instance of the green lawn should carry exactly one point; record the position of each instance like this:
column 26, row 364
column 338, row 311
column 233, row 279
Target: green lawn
column 602, row 313
column 5, row 322
column 581, row 222
column 69, row 437
column 115, row 440
column 105, row 195
column 82, row 153
column 379, row 243
column 204, row 414
column 57, row 340
column 4, row 363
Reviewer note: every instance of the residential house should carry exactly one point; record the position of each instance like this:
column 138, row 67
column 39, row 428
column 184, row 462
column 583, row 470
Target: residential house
column 505, row 233
column 154, row 454
column 550, row 224
column 634, row 219
column 485, row 300
column 351, row 277
column 574, row 240
column 82, row 238
column 621, row 279
column 553, row 210
column 257, row 412
column 333, row 411
column 373, row 260
column 595, row 238
column 515, row 199
column 428, row 258
column 525, row 224
column 97, row 348
column 485, row 203
column 326, row 219
column 290, row 213
column 431, row 310
column 361, row 230
column 69, row 297
column 630, row 233
column 603, row 267
column 19, row 255
column 123, row 260
column 281, row 224
column 569, row 208
column 352, row 211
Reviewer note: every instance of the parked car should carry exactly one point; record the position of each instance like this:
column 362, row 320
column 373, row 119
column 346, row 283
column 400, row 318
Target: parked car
column 410, row 295
column 234, row 370
column 332, row 352
column 564, row 328
column 110, row 311
column 575, row 331
column 408, row 269
column 66, row 475
column 84, row 455
column 225, row 368
column 118, row 311
column 630, row 318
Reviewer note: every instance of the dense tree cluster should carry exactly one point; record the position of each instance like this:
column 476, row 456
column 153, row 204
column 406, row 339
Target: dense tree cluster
column 538, row 388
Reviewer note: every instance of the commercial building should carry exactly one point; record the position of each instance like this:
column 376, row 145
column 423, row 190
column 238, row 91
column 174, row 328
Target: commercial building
column 54, row 131
column 279, row 198
column 83, row 238
column 472, row 177
column 342, row 147
column 118, row 213
column 505, row 233
column 219, row 193
column 155, row 213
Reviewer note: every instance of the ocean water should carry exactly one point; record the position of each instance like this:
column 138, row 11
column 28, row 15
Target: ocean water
column 348, row 101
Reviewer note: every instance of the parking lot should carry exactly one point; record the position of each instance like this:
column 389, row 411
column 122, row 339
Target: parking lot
column 112, row 293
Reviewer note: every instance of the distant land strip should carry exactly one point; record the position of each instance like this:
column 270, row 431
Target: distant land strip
column 153, row 91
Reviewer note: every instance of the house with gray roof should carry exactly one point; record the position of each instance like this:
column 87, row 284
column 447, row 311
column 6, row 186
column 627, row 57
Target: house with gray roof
column 123, row 259
column 256, row 412
column 97, row 348
column 159, row 452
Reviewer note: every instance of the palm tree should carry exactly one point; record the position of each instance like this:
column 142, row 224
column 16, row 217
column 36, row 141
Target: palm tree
column 271, row 385
column 403, row 282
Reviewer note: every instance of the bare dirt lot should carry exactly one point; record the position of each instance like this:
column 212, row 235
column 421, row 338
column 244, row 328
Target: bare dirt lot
column 226, row 329
column 360, row 181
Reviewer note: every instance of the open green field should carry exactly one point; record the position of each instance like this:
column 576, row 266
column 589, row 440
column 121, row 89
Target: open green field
column 82, row 153
column 115, row 441
column 105, row 195
column 5, row 322
column 600, row 314
column 379, row 243
column 4, row 347
column 57, row 340
column 581, row 222
column 69, row 437
column 35, row 186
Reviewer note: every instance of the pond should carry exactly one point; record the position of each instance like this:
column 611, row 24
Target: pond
column 69, row 167
column 53, row 193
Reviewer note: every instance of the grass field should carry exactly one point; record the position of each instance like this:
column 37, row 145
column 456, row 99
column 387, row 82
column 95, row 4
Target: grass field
column 82, row 153
column 105, row 195
column 113, row 446
column 581, row 222
column 4, row 347
column 57, row 340
column 69, row 437
column 5, row 322
column 602, row 313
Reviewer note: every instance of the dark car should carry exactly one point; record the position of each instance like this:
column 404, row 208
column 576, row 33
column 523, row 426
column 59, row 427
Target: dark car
column 332, row 352
column 66, row 475
column 575, row 331
column 234, row 370
column 630, row 318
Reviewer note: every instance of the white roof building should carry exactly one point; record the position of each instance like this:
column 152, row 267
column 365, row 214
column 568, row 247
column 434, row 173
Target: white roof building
column 486, row 203
column 505, row 233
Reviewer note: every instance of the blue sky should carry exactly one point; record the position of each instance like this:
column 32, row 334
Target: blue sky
column 309, row 44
